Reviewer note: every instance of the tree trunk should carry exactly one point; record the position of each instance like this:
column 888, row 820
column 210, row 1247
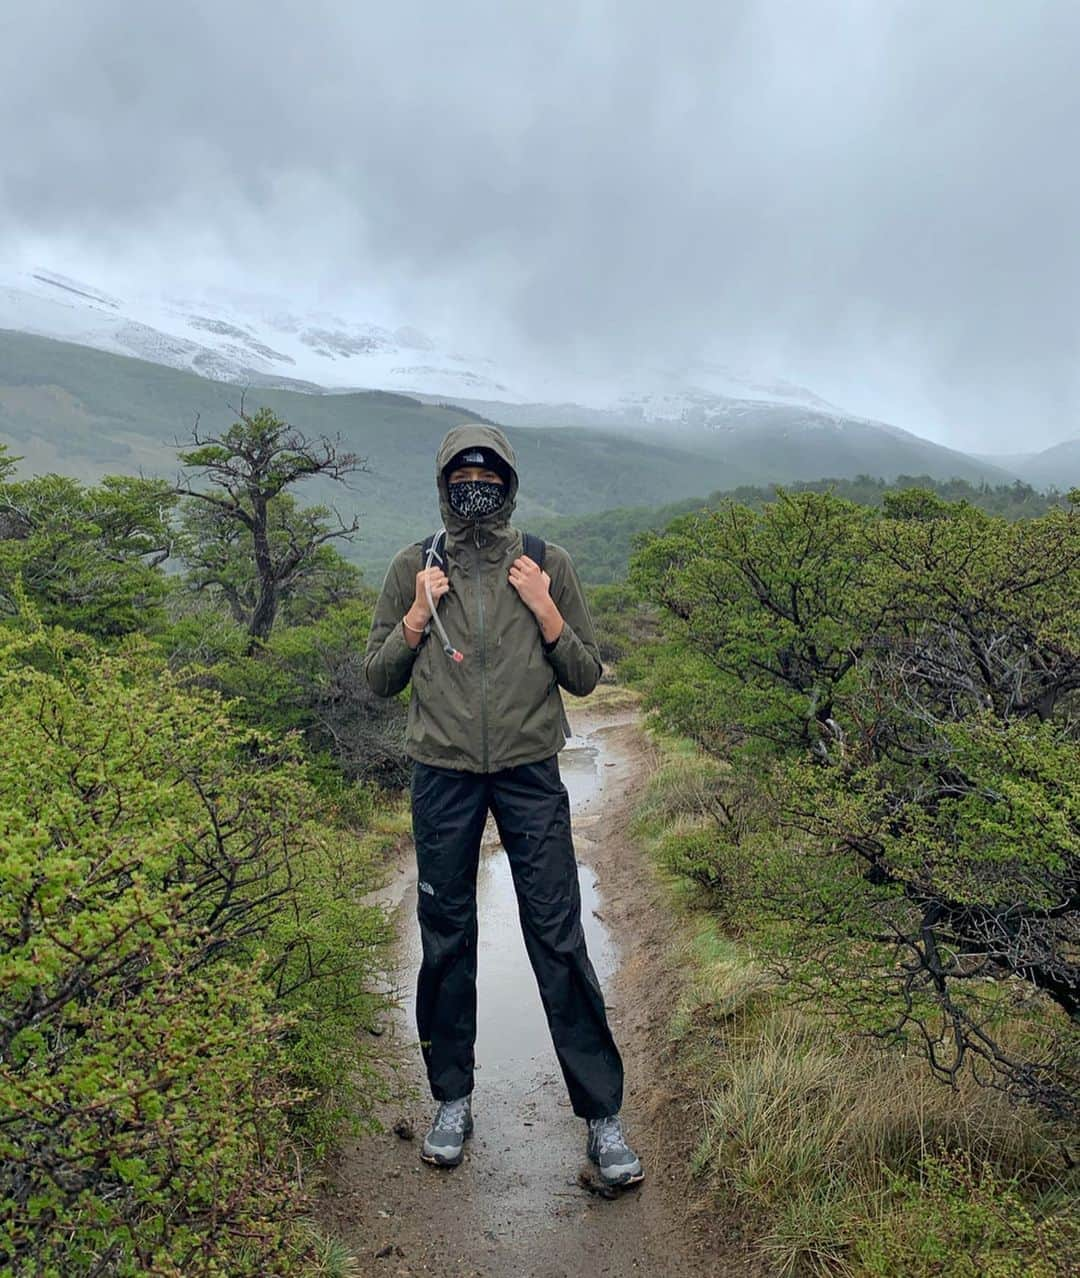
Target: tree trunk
column 266, row 606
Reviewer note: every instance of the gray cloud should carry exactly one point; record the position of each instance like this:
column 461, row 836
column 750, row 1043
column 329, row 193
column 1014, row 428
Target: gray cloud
column 877, row 198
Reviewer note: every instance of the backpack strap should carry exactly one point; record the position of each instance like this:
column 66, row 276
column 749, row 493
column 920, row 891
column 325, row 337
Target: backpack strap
column 535, row 547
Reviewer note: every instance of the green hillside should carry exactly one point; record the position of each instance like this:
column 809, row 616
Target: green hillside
column 87, row 413
column 601, row 542
column 779, row 443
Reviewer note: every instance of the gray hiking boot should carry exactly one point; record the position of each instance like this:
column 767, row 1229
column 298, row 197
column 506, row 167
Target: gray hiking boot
column 452, row 1125
column 607, row 1148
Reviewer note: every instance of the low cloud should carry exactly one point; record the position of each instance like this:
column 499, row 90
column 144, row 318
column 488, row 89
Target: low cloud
column 876, row 199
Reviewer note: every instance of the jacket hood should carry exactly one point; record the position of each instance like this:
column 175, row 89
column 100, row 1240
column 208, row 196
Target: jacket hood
column 474, row 435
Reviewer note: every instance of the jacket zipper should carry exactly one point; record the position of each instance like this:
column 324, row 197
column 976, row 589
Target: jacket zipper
column 483, row 646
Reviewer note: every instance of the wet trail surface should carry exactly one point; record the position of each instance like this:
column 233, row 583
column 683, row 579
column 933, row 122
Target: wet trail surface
column 517, row 1204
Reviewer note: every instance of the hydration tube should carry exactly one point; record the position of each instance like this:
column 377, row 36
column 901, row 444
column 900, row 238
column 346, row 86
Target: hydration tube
column 447, row 646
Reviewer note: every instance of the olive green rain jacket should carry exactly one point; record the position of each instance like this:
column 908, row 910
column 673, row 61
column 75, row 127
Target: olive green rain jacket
column 500, row 706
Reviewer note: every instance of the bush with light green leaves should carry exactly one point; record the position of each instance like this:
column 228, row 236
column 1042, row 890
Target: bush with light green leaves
column 186, row 971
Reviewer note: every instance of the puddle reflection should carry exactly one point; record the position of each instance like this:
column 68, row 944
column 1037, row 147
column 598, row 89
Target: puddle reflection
column 511, row 1027
column 580, row 772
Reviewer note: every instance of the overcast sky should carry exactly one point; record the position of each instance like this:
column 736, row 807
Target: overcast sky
column 878, row 198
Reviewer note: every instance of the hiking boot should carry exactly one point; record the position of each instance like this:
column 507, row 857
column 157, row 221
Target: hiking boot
column 607, row 1148
column 445, row 1141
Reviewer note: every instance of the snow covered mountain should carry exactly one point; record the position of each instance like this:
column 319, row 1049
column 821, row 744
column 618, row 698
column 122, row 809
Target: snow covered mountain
column 263, row 341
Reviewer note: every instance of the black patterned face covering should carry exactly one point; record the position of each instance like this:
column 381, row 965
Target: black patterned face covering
column 474, row 498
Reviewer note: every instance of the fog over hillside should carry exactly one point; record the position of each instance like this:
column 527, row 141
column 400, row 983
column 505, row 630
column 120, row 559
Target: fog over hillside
column 84, row 412
column 872, row 202
column 270, row 340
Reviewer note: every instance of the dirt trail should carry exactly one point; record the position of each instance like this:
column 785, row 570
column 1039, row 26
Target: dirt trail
column 516, row 1206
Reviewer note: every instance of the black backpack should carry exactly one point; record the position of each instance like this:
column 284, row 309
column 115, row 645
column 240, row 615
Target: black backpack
column 533, row 546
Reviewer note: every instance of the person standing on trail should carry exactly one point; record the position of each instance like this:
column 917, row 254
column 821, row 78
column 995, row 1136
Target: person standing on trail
column 485, row 725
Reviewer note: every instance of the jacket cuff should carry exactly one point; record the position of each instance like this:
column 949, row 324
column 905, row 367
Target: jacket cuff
column 397, row 656
column 566, row 653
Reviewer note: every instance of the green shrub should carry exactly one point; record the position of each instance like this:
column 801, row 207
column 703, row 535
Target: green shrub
column 903, row 684
column 186, row 968
column 959, row 1218
column 88, row 557
column 623, row 621
column 306, row 677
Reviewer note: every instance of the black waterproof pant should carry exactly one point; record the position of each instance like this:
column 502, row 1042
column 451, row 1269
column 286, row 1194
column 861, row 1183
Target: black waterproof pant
column 532, row 811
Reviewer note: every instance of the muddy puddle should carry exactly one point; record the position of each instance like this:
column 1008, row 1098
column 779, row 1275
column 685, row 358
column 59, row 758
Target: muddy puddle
column 512, row 1037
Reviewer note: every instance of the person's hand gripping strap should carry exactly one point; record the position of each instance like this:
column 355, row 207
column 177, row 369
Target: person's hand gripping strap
column 432, row 554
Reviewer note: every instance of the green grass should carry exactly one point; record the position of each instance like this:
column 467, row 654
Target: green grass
column 329, row 1257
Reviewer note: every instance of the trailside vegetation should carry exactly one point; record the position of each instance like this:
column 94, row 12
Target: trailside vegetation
column 192, row 973
column 88, row 556
column 187, row 971
column 891, row 824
